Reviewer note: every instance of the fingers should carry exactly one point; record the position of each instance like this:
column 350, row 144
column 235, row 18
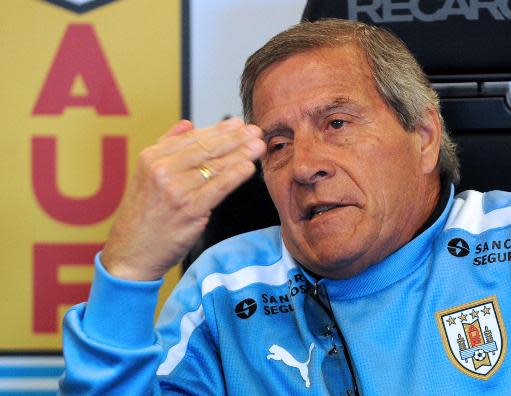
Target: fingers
column 192, row 179
column 205, row 138
column 168, row 192
column 181, row 127
column 249, row 151
column 226, row 147
column 195, row 147
column 200, row 195
column 221, row 185
column 224, row 152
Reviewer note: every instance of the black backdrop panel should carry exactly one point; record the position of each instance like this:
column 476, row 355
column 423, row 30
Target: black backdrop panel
column 472, row 37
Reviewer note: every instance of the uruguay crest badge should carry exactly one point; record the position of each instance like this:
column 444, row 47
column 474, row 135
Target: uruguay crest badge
column 474, row 337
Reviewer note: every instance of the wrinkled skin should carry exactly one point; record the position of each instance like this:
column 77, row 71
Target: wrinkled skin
column 168, row 202
column 333, row 143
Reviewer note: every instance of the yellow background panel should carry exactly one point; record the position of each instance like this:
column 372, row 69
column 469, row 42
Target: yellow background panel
column 140, row 40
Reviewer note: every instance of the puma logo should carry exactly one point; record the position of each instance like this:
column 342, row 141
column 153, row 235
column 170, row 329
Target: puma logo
column 279, row 353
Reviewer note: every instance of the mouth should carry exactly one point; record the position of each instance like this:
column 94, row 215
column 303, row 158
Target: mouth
column 316, row 211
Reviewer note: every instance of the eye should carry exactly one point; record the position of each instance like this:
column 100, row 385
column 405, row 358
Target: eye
column 276, row 143
column 336, row 124
column 276, row 147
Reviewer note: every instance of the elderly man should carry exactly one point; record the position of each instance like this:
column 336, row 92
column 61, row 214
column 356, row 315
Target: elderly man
column 373, row 284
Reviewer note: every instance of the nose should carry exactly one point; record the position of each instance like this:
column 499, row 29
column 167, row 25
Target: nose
column 310, row 160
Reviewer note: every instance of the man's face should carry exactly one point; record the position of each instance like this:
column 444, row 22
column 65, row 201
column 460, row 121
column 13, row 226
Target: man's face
column 349, row 183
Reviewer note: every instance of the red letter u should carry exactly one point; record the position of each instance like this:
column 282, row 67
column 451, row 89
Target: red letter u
column 78, row 211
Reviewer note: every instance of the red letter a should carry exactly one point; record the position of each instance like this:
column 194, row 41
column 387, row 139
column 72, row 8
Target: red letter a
column 80, row 55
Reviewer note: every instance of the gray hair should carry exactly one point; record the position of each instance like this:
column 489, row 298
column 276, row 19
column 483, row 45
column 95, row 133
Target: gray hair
column 398, row 77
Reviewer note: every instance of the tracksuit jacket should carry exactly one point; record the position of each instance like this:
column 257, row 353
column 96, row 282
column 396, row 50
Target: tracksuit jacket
column 246, row 319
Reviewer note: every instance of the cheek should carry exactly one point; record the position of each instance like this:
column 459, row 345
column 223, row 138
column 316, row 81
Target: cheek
column 276, row 190
column 388, row 163
column 392, row 177
column 378, row 174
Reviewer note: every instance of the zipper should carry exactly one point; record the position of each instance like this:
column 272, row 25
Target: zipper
column 328, row 308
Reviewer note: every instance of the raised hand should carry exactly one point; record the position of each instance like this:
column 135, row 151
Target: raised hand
column 177, row 183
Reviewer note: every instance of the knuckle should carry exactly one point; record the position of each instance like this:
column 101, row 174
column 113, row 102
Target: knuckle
column 245, row 152
column 188, row 208
column 159, row 172
column 256, row 146
column 221, row 187
column 146, row 156
column 174, row 191
column 231, row 123
column 241, row 136
column 202, row 221
column 246, row 168
column 215, row 166
column 211, row 151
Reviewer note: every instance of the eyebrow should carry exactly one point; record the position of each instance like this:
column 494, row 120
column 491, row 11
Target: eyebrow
column 339, row 102
column 278, row 129
column 283, row 129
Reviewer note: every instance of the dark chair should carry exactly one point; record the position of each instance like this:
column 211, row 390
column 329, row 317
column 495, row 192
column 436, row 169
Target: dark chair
column 466, row 53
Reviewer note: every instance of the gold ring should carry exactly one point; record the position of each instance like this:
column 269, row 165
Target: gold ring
column 205, row 172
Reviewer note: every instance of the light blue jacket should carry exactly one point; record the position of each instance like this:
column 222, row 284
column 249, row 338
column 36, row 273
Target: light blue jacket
column 430, row 319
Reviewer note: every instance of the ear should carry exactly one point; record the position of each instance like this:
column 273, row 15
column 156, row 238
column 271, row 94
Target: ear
column 430, row 132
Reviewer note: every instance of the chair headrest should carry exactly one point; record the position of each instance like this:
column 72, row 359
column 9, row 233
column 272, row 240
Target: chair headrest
column 446, row 36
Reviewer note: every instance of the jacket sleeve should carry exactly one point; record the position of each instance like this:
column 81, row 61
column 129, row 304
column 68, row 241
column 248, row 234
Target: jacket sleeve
column 111, row 346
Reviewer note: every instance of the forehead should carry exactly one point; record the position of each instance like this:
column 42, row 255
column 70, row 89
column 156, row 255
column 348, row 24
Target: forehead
column 306, row 79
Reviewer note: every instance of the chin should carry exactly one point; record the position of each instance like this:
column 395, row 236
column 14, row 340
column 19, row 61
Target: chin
column 335, row 252
column 328, row 263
